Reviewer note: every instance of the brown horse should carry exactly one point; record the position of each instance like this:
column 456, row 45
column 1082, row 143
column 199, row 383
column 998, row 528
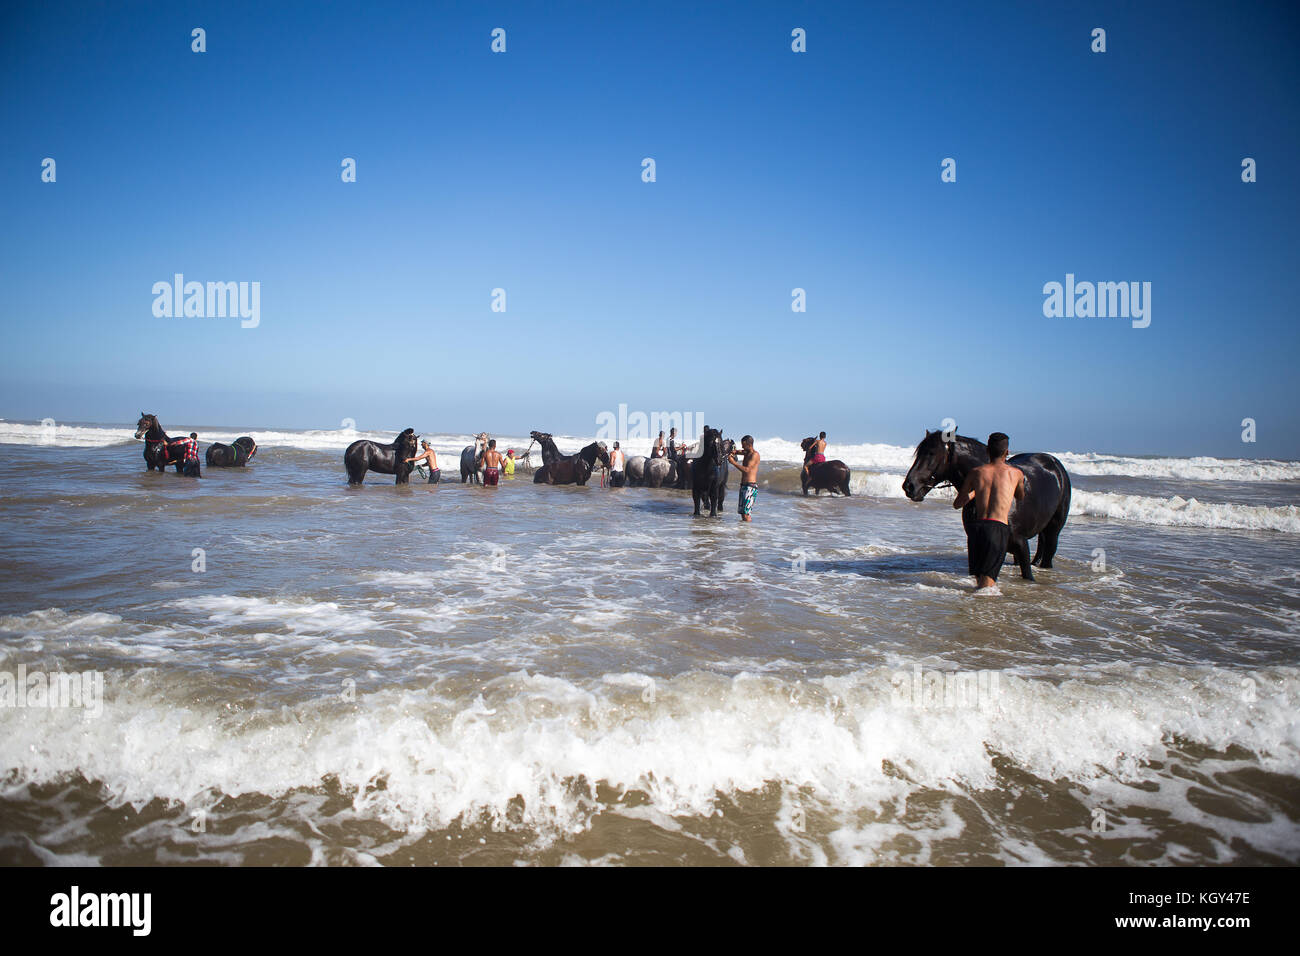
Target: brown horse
column 832, row 476
column 160, row 449
column 559, row 469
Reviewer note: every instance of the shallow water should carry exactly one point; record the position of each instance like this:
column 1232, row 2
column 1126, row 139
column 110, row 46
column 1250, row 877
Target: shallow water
column 452, row 674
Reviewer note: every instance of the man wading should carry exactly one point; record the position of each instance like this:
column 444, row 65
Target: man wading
column 993, row 488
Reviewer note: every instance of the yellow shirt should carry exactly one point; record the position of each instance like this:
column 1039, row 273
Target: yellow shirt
column 510, row 467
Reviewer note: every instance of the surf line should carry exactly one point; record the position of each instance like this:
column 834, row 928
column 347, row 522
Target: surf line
column 103, row 909
column 1102, row 300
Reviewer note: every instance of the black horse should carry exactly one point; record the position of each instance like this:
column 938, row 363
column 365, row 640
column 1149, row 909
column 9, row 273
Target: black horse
column 832, row 476
column 160, row 449
column 559, row 469
column 236, row 455
column 387, row 459
column 1042, row 512
column 709, row 472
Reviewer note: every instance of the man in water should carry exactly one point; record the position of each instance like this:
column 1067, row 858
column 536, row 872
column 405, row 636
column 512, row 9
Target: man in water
column 748, row 477
column 428, row 458
column 659, row 450
column 993, row 488
column 189, row 466
column 816, row 453
column 509, row 463
column 491, row 464
column 616, row 476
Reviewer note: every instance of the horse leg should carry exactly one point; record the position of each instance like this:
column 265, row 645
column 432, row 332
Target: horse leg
column 1048, row 537
column 1019, row 548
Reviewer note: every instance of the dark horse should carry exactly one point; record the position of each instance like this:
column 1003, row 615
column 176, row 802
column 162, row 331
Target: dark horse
column 709, row 472
column 387, row 459
column 558, row 469
column 160, row 449
column 1041, row 512
column 829, row 476
column 235, row 455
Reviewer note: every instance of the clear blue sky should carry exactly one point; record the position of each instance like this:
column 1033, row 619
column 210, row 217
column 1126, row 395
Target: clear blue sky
column 775, row 170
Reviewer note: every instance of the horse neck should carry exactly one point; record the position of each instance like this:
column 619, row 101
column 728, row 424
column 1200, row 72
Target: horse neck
column 968, row 454
column 156, row 433
column 548, row 448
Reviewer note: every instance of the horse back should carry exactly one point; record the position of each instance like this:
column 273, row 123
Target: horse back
column 1047, row 490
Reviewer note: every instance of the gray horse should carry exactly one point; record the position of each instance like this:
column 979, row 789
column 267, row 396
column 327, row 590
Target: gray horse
column 660, row 473
column 635, row 470
column 471, row 457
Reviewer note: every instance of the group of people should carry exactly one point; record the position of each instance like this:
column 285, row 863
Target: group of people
column 495, row 464
column 746, row 465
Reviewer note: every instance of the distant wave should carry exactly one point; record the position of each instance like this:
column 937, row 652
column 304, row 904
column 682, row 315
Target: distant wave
column 1186, row 512
column 1170, row 512
column 889, row 460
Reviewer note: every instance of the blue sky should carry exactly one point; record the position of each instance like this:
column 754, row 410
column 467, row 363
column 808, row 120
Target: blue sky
column 775, row 170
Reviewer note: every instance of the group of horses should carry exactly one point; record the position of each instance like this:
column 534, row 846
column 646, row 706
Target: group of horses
column 161, row 450
column 941, row 458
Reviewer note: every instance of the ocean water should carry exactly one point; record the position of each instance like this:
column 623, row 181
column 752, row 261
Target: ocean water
column 450, row 674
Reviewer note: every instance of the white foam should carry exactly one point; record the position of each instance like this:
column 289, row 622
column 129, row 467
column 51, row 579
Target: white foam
column 1186, row 512
column 1188, row 469
column 846, row 741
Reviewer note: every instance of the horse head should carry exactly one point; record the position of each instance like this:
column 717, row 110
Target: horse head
column 712, row 449
column 145, row 424
column 594, row 452
column 932, row 465
column 407, row 443
column 249, row 446
column 549, row 452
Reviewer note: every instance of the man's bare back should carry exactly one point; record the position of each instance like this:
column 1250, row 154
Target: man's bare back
column 993, row 488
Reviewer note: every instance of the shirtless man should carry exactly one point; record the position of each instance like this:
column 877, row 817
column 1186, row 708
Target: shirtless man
column 748, row 477
column 428, row 459
column 491, row 464
column 816, row 453
column 993, row 488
